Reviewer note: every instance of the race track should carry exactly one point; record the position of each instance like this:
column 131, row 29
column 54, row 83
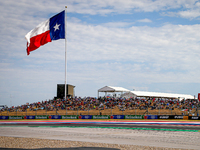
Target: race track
column 185, row 125
column 167, row 134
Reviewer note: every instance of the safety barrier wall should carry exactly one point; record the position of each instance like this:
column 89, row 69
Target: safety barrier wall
column 194, row 118
column 15, row 117
column 4, row 117
column 151, row 117
column 41, row 117
column 101, row 117
column 28, row 117
column 134, row 117
column 69, row 117
column 171, row 117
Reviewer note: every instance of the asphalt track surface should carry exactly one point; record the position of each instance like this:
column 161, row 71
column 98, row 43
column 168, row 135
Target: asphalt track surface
column 155, row 124
column 113, row 125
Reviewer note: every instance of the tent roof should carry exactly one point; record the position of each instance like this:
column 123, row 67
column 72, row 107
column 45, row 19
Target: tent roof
column 157, row 94
column 112, row 89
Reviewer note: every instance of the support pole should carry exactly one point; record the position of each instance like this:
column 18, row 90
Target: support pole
column 66, row 56
column 65, row 53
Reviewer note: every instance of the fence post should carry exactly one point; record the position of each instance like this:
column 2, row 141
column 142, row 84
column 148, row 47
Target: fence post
column 135, row 110
column 171, row 110
column 66, row 108
column 88, row 109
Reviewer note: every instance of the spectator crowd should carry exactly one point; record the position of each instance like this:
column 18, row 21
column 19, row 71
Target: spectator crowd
column 102, row 103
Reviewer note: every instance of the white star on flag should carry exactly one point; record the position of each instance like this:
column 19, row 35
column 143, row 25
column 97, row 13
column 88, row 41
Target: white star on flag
column 56, row 27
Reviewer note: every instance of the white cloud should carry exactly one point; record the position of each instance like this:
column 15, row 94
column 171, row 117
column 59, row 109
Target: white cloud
column 145, row 20
column 181, row 8
column 104, row 7
column 117, row 24
column 189, row 14
column 190, row 10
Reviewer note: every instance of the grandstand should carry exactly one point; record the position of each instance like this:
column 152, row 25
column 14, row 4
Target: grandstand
column 128, row 103
column 107, row 106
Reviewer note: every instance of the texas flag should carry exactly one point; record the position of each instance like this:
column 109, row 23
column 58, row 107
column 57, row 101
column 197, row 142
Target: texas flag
column 52, row 29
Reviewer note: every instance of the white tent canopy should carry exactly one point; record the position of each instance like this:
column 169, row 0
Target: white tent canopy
column 112, row 89
column 156, row 94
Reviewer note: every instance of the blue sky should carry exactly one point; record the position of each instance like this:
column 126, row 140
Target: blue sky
column 147, row 45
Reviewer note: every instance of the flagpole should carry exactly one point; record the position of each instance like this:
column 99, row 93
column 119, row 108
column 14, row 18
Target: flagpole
column 66, row 53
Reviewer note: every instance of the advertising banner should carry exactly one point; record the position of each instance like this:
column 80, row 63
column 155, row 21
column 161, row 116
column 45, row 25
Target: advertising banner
column 170, row 117
column 178, row 117
column 85, row 117
column 150, row 117
column 4, row 117
column 134, row 117
column 117, row 117
column 101, row 117
column 69, row 117
column 55, row 117
column 29, row 117
column 165, row 117
column 194, row 118
column 15, row 117
column 41, row 117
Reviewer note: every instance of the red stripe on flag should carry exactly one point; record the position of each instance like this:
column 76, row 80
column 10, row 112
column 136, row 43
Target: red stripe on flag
column 38, row 40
